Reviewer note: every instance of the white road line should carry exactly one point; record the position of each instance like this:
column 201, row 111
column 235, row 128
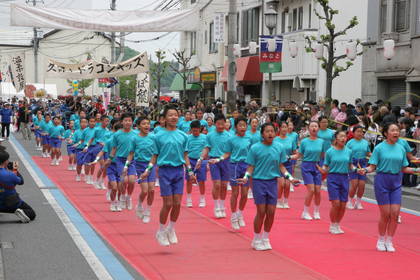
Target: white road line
column 96, row 265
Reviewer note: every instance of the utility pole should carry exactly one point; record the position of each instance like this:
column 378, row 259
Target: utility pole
column 36, row 45
column 113, row 54
column 231, row 94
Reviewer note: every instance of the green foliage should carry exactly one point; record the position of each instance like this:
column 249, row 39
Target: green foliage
column 128, row 87
column 83, row 84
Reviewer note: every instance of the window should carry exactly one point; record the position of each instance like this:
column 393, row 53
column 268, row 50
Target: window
column 237, row 28
column 300, row 19
column 295, row 13
column 193, row 1
column 418, row 19
column 401, row 15
column 283, row 22
column 310, row 16
column 205, row 37
column 384, row 11
column 193, row 42
column 212, row 45
column 250, row 26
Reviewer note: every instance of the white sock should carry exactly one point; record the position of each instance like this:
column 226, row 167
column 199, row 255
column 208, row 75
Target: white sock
column 147, row 208
column 257, row 236
column 188, row 195
column 388, row 239
column 305, row 209
column 381, row 237
column 316, row 209
column 222, row 203
column 161, row 227
column 265, row 235
column 285, row 200
column 127, row 197
column 358, row 200
column 216, row 203
column 202, row 196
column 171, row 225
column 239, row 212
column 234, row 215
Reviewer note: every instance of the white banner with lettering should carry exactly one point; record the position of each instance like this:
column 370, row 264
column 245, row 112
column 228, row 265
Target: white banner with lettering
column 17, row 71
column 143, row 90
column 219, row 28
column 94, row 69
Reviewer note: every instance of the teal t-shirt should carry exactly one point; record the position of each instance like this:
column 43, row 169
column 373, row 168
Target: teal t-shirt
column 238, row 147
column 328, row 137
column 312, row 149
column 255, row 137
column 405, row 145
column 389, row 158
column 88, row 134
column 157, row 129
column 68, row 134
column 123, row 142
column 216, row 142
column 77, row 124
column 359, row 148
column 195, row 145
column 338, row 161
column 295, row 137
column 211, row 129
column 108, row 144
column 45, row 126
column 37, row 121
column 288, row 144
column 75, row 117
column 144, row 147
column 100, row 135
column 56, row 131
column 77, row 136
column 185, row 126
column 171, row 146
column 204, row 123
column 266, row 160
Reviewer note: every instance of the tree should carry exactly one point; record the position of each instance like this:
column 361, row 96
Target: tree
column 128, row 87
column 183, row 61
column 157, row 71
column 331, row 63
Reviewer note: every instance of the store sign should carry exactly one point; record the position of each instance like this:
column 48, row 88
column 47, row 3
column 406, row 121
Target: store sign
column 208, row 77
column 17, row 71
column 270, row 56
column 219, row 28
column 143, row 90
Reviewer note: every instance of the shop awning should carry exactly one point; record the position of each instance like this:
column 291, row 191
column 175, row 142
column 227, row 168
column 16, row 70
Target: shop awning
column 247, row 70
column 178, row 84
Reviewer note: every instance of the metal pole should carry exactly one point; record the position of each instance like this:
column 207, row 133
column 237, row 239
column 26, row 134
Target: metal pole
column 113, row 54
column 35, row 49
column 231, row 94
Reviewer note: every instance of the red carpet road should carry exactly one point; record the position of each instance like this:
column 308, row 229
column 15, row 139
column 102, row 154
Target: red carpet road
column 209, row 249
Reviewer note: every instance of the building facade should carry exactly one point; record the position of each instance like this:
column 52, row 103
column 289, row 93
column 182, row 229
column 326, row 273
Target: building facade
column 302, row 77
column 397, row 79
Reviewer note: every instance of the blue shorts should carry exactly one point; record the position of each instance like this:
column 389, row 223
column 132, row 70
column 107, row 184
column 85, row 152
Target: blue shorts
column 289, row 167
column 387, row 188
column 55, row 142
column 201, row 174
column 120, row 161
column 220, row 171
column 111, row 172
column 356, row 162
column 265, row 191
column 141, row 167
column 92, row 152
column 80, row 157
column 338, row 186
column 37, row 133
column 171, row 180
column 71, row 150
column 310, row 173
column 237, row 170
column 45, row 139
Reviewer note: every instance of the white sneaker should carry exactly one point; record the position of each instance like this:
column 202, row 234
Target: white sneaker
column 339, row 230
column 241, row 221
column 229, row 187
column 113, row 206
column 122, row 203
column 172, row 236
column 317, row 216
column 22, row 216
column 266, row 244
column 292, row 188
column 258, row 245
column 306, row 216
column 118, row 206
column 399, row 219
column 102, row 185
column 333, row 229
column 52, row 162
column 202, row 203
column 286, row 205
column 146, row 217
column 140, row 211
column 234, row 223
column 78, row 178
column 222, row 213
column 250, row 194
column 129, row 203
column 70, row 168
column 74, row 167
column 108, row 195
column 359, row 206
column 60, row 159
column 57, row 163
column 389, row 246
column 279, row 204
column 380, row 246
column 96, row 185
column 162, row 238
column 216, row 213
column 189, row 203
column 418, row 187
column 349, row 205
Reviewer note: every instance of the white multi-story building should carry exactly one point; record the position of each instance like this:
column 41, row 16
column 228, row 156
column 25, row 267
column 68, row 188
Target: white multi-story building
column 302, row 77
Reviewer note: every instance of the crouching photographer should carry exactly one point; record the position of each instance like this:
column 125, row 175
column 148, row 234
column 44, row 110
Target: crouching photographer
column 10, row 201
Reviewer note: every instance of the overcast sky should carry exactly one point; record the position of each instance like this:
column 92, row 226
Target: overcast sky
column 169, row 43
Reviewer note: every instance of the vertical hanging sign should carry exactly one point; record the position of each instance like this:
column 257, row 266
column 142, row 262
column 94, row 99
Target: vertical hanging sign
column 17, row 71
column 143, row 90
column 219, row 28
column 270, row 54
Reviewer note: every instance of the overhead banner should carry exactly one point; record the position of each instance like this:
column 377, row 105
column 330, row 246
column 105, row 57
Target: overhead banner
column 219, row 28
column 143, row 90
column 270, row 56
column 17, row 71
column 106, row 20
column 93, row 69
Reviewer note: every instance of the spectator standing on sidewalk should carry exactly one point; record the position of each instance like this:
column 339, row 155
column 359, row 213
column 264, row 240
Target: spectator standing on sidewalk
column 6, row 114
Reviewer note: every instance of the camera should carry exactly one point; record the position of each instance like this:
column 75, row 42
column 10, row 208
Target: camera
column 10, row 166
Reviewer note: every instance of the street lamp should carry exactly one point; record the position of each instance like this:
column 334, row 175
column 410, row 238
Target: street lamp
column 271, row 23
